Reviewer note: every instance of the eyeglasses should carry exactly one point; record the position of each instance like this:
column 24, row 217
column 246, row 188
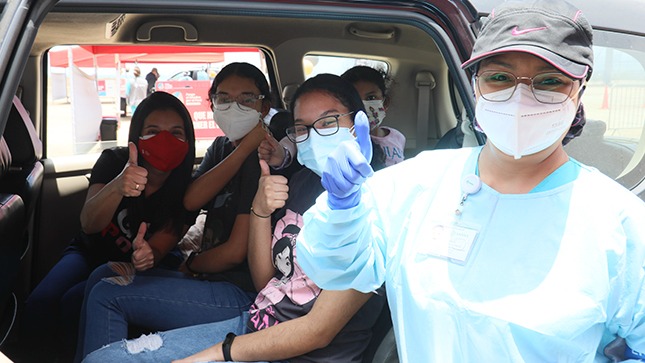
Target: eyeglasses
column 551, row 88
column 324, row 126
column 222, row 101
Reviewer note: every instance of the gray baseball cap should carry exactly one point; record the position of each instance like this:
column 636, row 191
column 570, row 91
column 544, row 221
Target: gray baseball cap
column 553, row 30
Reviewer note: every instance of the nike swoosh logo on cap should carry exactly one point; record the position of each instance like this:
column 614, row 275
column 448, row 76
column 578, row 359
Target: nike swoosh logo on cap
column 517, row 31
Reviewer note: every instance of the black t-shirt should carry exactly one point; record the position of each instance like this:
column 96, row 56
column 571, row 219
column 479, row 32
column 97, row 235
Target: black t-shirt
column 235, row 198
column 114, row 242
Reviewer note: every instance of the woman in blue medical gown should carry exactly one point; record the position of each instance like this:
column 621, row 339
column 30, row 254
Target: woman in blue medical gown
column 509, row 252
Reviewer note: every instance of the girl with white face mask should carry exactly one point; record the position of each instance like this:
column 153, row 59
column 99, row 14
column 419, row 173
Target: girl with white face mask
column 520, row 252
column 288, row 303
column 224, row 185
column 370, row 84
column 225, row 181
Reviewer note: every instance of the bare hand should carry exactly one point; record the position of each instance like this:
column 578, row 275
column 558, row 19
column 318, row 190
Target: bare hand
column 271, row 151
column 255, row 136
column 272, row 193
column 133, row 178
column 142, row 257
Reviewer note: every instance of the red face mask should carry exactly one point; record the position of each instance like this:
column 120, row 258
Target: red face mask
column 163, row 151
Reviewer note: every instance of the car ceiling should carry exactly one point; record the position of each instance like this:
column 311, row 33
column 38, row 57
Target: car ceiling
column 286, row 37
column 602, row 14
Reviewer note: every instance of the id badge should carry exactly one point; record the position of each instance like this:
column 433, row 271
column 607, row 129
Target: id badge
column 450, row 241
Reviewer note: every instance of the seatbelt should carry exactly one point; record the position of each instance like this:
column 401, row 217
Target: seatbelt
column 425, row 82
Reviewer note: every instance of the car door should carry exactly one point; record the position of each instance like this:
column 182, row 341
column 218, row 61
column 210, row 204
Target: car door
column 18, row 195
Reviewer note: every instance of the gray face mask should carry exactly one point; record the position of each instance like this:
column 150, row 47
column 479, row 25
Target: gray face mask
column 236, row 121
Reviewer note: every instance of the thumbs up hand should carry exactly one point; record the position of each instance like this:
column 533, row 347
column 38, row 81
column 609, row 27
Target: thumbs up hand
column 271, row 151
column 272, row 193
column 133, row 178
column 348, row 166
column 142, row 256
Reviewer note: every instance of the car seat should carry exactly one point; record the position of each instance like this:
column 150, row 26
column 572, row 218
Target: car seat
column 20, row 185
column 593, row 149
column 25, row 175
column 382, row 346
column 12, row 224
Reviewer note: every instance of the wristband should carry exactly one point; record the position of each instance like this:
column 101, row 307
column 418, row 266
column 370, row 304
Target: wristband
column 286, row 161
column 257, row 215
column 226, row 347
column 189, row 260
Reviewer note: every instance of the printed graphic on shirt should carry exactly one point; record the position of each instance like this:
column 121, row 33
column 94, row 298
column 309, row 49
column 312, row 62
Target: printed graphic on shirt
column 120, row 231
column 290, row 293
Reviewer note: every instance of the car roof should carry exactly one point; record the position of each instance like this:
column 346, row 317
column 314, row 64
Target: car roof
column 619, row 16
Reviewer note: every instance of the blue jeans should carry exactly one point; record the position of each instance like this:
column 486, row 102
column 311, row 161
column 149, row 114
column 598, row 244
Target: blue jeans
column 51, row 313
column 167, row 346
column 156, row 300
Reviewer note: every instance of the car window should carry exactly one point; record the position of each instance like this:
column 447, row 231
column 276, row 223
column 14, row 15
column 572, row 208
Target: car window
column 88, row 104
column 314, row 64
column 613, row 140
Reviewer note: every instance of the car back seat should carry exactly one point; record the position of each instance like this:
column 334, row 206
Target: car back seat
column 25, row 175
column 592, row 148
column 382, row 346
column 20, row 185
column 12, row 224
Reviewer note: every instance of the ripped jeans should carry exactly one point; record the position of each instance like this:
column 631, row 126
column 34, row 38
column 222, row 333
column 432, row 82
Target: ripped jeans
column 157, row 300
column 167, row 346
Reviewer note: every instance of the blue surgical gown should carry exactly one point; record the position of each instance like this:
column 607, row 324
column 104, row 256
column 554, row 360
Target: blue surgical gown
column 549, row 276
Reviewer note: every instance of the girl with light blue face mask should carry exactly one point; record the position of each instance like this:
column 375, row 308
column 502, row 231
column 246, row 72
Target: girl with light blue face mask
column 320, row 138
column 324, row 112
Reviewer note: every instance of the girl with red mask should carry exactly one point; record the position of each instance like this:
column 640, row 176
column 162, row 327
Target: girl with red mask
column 217, row 284
column 133, row 213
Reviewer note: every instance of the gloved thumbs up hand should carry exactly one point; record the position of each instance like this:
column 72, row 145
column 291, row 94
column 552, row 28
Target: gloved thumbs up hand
column 348, row 166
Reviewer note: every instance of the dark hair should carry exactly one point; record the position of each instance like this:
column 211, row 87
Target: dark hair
column 334, row 86
column 367, row 74
column 244, row 70
column 172, row 192
column 284, row 242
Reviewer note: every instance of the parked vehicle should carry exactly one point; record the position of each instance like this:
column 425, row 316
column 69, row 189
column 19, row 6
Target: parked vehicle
column 51, row 132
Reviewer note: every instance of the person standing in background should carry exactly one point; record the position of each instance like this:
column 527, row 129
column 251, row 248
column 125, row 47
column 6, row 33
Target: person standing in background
column 152, row 78
column 136, row 89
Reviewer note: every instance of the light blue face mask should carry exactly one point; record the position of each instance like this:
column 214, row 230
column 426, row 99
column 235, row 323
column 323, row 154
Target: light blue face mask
column 313, row 152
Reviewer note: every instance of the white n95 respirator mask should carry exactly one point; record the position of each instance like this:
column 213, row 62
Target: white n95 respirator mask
column 522, row 125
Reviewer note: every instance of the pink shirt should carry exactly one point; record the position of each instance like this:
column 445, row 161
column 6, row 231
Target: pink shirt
column 393, row 145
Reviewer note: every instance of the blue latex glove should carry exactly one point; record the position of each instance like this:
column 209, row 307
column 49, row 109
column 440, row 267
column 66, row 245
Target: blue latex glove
column 348, row 166
column 632, row 354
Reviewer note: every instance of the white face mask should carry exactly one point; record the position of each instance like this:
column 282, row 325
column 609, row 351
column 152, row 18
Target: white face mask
column 236, row 121
column 313, row 152
column 375, row 112
column 522, row 125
